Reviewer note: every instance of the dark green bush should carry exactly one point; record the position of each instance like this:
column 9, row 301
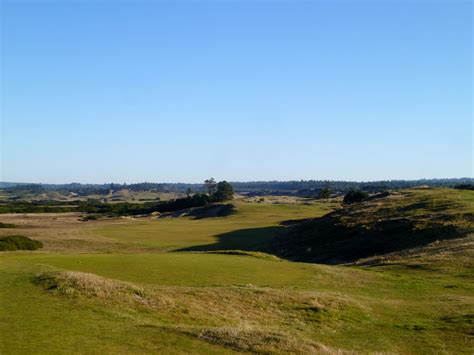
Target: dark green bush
column 92, row 217
column 324, row 193
column 18, row 242
column 354, row 196
column 7, row 225
column 464, row 187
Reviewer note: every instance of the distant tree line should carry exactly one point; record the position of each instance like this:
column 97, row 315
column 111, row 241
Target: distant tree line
column 313, row 187
column 296, row 187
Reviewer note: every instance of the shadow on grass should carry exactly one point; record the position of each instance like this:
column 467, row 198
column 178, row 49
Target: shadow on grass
column 331, row 240
column 251, row 239
column 339, row 238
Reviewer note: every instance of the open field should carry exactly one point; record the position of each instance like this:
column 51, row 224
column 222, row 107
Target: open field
column 148, row 285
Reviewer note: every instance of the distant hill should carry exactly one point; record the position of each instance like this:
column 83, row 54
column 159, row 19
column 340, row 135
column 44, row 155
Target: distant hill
column 398, row 223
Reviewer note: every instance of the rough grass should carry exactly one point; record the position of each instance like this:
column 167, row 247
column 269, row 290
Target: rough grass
column 72, row 283
column 260, row 341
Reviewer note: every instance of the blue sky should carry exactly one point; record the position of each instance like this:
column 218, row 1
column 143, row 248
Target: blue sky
column 101, row 91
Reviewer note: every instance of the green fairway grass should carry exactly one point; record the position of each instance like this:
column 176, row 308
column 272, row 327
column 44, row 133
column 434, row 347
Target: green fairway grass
column 175, row 233
column 186, row 269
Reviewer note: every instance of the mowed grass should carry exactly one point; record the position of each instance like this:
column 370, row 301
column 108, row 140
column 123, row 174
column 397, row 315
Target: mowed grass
column 185, row 269
column 251, row 226
column 134, row 301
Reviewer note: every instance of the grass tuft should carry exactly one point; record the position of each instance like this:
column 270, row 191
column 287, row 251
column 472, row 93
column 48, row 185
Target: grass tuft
column 80, row 283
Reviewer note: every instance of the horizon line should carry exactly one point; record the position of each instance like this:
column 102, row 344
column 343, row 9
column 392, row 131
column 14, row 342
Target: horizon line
column 230, row 181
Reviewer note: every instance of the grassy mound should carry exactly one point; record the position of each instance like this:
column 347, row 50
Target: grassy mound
column 18, row 242
column 90, row 285
column 397, row 222
column 250, row 319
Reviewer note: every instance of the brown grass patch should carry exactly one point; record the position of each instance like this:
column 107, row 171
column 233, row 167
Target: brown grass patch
column 73, row 283
column 261, row 341
column 243, row 318
column 65, row 232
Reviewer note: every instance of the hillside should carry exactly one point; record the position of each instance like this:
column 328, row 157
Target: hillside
column 403, row 223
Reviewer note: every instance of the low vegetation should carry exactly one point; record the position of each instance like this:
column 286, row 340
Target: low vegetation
column 90, row 285
column 18, row 242
column 37, row 207
column 355, row 196
column 464, row 187
column 7, row 225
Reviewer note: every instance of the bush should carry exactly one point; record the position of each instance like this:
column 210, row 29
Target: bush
column 19, row 242
column 324, row 193
column 197, row 200
column 7, row 225
column 91, row 217
column 464, row 187
column 354, row 196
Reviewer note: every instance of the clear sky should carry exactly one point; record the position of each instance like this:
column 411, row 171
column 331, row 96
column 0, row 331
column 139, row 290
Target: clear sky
column 129, row 91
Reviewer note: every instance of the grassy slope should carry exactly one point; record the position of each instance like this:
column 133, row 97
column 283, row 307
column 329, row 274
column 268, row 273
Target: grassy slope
column 412, row 219
column 214, row 303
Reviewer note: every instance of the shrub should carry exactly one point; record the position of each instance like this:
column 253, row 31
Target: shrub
column 324, row 193
column 7, row 225
column 91, row 217
column 354, row 196
column 464, row 187
column 19, row 242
